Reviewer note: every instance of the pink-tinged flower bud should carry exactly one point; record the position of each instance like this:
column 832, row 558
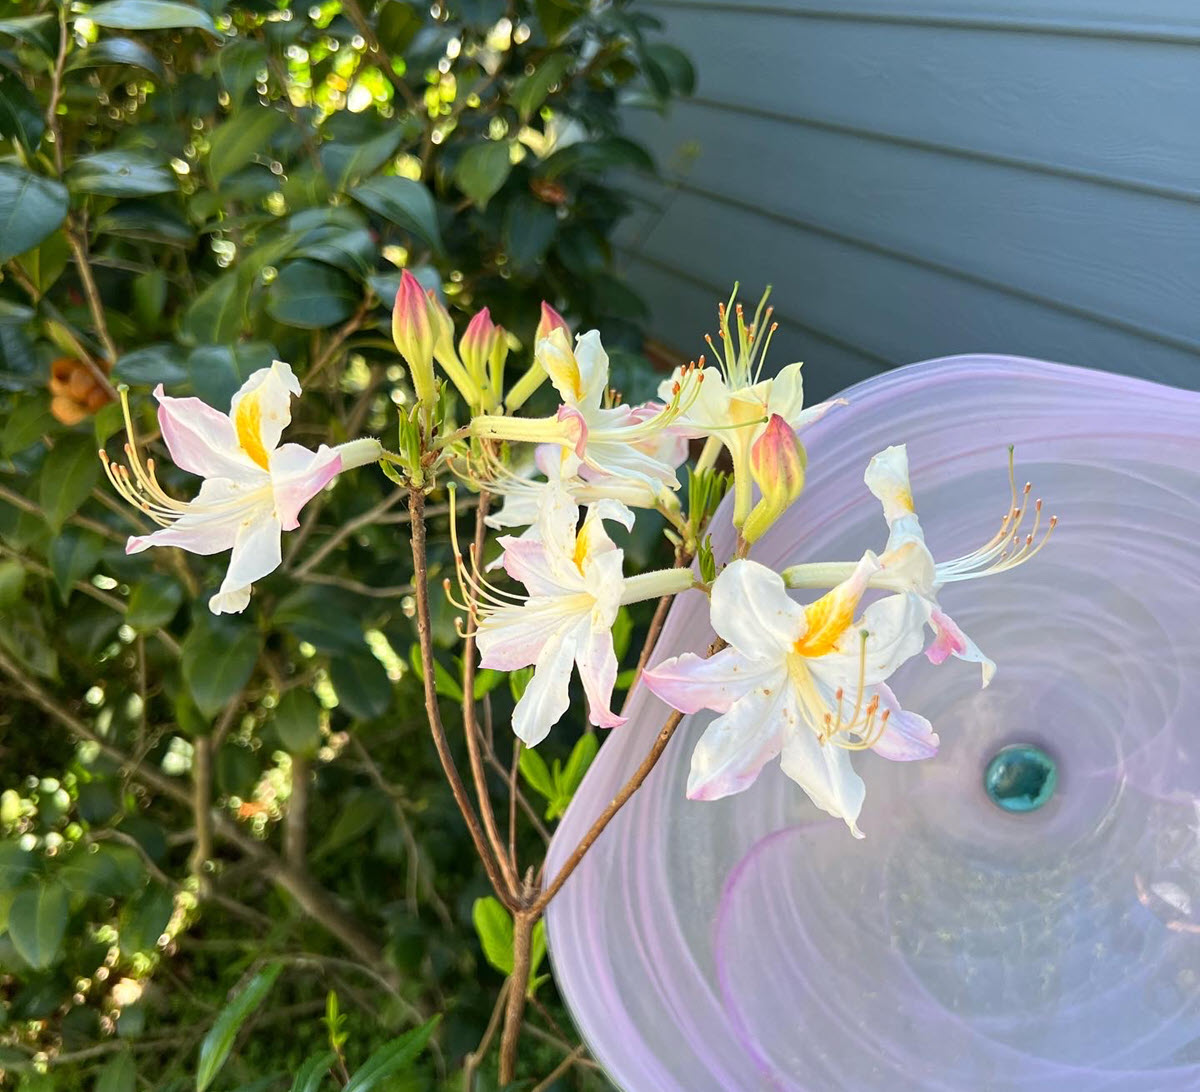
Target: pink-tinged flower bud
column 414, row 335
column 550, row 320
column 477, row 343
column 777, row 464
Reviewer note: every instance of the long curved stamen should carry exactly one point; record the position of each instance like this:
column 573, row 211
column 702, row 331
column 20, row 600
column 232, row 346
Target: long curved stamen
column 1010, row 546
column 483, row 597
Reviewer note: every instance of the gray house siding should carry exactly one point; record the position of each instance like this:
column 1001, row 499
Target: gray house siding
column 916, row 182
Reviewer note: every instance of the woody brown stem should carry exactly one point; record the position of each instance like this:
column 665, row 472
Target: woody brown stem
column 416, row 504
column 518, row 982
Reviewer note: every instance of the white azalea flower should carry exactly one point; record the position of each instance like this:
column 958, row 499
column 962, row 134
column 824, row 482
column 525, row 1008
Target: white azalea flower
column 805, row 683
column 734, row 404
column 907, row 566
column 521, row 493
column 575, row 584
column 253, row 488
column 620, row 442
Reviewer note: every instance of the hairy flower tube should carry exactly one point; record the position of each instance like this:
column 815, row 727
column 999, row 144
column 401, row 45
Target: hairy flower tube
column 611, row 441
column 253, row 488
column 805, row 683
column 573, row 576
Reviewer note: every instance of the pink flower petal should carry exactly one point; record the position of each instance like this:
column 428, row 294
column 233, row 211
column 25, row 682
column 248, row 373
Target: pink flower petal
column 297, row 476
column 690, row 683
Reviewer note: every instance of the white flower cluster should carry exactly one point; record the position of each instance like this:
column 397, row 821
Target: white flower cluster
column 804, row 682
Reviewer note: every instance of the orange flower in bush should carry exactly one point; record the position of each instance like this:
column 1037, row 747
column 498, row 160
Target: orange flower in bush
column 74, row 391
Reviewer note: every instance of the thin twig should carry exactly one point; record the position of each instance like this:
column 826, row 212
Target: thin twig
column 576, row 1055
column 597, row 828
column 387, row 591
column 441, row 744
column 337, row 340
column 350, row 527
column 26, row 505
column 512, row 804
column 471, row 722
column 472, row 1060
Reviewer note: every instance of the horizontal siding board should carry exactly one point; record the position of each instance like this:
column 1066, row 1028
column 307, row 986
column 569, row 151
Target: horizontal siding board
column 1164, row 19
column 1110, row 106
column 1120, row 253
column 890, row 308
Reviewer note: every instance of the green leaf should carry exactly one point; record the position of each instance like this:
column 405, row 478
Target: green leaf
column 582, row 755
column 217, row 315
column 298, row 722
column 217, row 371
column 117, row 51
column 672, row 66
column 219, row 1041
column 37, row 923
column 153, row 603
column 389, row 1060
column 345, row 164
column 325, row 617
column 494, row 926
column 239, row 63
column 31, row 207
column 397, row 26
column 236, row 142
column 73, row 555
column 356, row 818
column 530, row 91
column 145, row 920
column 119, row 1075
column 151, row 365
column 362, row 686
column 12, row 588
column 150, row 15
column 68, row 475
column 445, row 685
column 218, row 660
column 313, row 1072
column 482, row 170
column 20, row 116
column 537, row 952
column 38, row 31
column 536, row 773
column 119, row 174
column 311, row 295
column 15, row 864
column 108, row 870
column 405, row 202
column 529, row 229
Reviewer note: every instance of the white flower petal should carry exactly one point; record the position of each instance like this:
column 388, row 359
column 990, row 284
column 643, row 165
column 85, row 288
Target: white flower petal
column 513, row 637
column 690, row 682
column 546, row 697
column 593, row 368
column 597, row 663
column 202, row 440
column 751, row 610
column 212, row 520
column 256, row 552
column 951, row 641
column 824, row 771
column 895, row 627
column 262, row 409
column 887, row 478
column 736, row 746
column 298, row 475
column 908, row 736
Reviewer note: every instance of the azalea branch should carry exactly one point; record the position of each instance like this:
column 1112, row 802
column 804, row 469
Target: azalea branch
column 433, row 713
column 470, row 721
column 606, row 816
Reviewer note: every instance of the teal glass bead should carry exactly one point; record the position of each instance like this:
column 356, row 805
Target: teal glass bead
column 1021, row 778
